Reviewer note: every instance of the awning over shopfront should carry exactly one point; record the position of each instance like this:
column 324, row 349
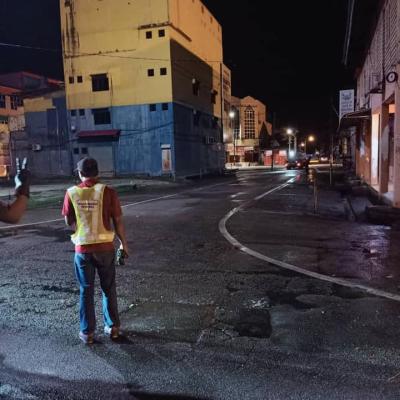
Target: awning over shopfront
column 354, row 118
column 107, row 134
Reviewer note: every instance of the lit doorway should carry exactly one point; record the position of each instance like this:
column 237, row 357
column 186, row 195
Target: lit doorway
column 376, row 118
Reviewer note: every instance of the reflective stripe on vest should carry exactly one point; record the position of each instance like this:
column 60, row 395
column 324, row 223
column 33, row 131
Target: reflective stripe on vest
column 88, row 206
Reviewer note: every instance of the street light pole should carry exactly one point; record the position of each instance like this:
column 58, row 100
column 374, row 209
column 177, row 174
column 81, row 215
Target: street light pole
column 232, row 115
column 292, row 133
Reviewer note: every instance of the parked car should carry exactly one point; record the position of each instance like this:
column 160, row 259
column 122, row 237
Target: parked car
column 299, row 163
column 323, row 158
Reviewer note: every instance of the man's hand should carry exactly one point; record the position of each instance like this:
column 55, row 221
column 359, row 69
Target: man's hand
column 22, row 178
column 125, row 249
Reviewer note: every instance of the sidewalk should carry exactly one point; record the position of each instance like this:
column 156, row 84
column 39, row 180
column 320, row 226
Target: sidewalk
column 331, row 237
column 52, row 193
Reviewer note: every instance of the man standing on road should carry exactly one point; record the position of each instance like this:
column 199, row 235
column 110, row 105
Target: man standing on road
column 90, row 208
column 13, row 212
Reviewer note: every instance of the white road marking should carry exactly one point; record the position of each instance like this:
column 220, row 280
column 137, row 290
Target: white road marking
column 51, row 221
column 284, row 265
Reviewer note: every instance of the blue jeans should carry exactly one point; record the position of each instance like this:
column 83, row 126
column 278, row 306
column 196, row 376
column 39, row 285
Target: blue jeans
column 86, row 265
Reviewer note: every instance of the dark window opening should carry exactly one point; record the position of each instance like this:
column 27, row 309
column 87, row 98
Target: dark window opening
column 71, row 79
column 164, row 106
column 15, row 102
column 101, row 116
column 214, row 96
column 84, row 150
column 196, row 87
column 81, row 112
column 149, row 34
column 100, row 83
column 150, row 72
column 152, row 107
column 76, row 150
column 79, row 79
column 163, row 71
column 196, row 119
column 73, row 113
column 2, row 101
column 214, row 122
column 161, row 33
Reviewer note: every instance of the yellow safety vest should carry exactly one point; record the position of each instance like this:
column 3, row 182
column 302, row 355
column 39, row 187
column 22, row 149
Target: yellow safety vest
column 88, row 206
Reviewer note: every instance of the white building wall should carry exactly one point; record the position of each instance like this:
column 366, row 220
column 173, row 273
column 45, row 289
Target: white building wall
column 383, row 54
column 373, row 92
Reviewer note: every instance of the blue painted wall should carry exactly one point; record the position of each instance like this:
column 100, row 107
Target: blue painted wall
column 49, row 129
column 193, row 154
column 144, row 133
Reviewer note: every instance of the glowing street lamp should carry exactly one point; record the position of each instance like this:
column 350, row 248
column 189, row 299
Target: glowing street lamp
column 310, row 139
column 291, row 132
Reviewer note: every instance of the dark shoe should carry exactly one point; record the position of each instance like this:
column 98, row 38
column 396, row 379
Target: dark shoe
column 112, row 331
column 87, row 338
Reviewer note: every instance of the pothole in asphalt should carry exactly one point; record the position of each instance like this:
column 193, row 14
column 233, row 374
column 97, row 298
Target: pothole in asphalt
column 347, row 293
column 254, row 323
column 289, row 299
column 172, row 321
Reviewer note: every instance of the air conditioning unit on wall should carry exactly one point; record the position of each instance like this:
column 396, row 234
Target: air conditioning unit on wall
column 36, row 147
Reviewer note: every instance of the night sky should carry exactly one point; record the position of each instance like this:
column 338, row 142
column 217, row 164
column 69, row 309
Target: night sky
column 285, row 53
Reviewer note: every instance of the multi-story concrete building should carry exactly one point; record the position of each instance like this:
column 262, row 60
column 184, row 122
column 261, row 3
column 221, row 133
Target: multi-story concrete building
column 143, row 84
column 11, row 119
column 15, row 88
column 372, row 132
column 45, row 140
column 250, row 129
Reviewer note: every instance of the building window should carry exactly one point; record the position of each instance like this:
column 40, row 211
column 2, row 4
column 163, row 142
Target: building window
column 14, row 102
column 149, row 35
column 164, row 106
column 84, row 150
column 161, row 33
column 214, row 122
column 73, row 113
column 163, row 71
column 71, row 79
column 152, row 107
column 150, row 72
column 195, row 87
column 214, row 96
column 100, row 83
column 196, row 118
column 81, row 112
column 79, row 79
column 2, row 101
column 76, row 150
column 101, row 116
column 249, row 124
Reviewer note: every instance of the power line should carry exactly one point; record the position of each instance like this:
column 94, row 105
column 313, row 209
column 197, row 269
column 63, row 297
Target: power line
column 112, row 53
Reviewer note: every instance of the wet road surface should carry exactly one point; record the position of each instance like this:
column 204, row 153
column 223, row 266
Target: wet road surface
column 201, row 319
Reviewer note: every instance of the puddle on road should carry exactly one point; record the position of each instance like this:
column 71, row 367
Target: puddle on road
column 254, row 323
column 172, row 321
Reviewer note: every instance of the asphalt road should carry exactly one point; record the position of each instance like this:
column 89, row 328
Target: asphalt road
column 202, row 319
